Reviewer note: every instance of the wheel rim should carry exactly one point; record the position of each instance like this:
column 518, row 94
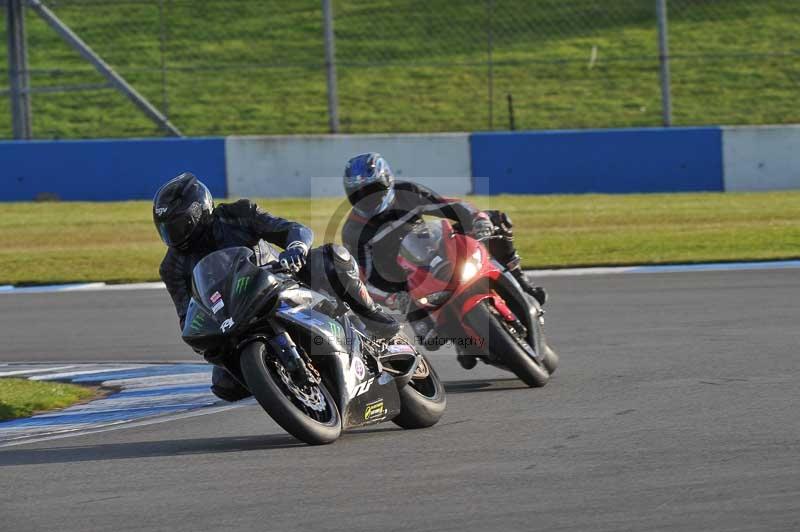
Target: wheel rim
column 422, row 380
column 519, row 334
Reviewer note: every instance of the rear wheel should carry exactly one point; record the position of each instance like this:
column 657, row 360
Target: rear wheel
column 506, row 343
column 307, row 412
column 423, row 399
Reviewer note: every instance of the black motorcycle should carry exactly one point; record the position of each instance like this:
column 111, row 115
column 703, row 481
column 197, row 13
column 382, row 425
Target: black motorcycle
column 303, row 355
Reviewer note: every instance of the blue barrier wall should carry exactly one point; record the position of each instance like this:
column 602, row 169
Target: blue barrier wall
column 106, row 169
column 606, row 161
column 546, row 162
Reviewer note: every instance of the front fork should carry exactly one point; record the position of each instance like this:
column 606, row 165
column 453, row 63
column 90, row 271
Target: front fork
column 512, row 303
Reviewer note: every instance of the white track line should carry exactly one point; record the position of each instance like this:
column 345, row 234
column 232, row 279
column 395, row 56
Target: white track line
column 124, row 425
column 56, row 376
column 31, row 371
column 579, row 271
column 565, row 272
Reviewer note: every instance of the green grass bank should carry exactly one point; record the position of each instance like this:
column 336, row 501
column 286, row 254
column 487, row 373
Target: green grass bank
column 221, row 67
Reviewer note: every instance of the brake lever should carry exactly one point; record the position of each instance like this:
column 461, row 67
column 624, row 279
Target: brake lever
column 276, row 267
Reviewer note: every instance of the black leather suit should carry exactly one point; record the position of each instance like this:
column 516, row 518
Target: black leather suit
column 330, row 268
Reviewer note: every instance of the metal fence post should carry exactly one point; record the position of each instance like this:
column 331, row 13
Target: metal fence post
column 162, row 27
column 18, row 75
column 330, row 65
column 663, row 57
column 490, row 65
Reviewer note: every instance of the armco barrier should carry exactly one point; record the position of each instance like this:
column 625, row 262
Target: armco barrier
column 761, row 157
column 303, row 166
column 106, row 169
column 604, row 161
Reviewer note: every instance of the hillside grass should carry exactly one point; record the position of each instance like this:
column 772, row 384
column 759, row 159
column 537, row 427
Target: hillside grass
column 23, row 398
column 244, row 67
column 116, row 242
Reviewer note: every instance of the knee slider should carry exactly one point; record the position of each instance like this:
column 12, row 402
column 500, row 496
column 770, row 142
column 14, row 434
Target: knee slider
column 340, row 266
column 340, row 253
column 343, row 261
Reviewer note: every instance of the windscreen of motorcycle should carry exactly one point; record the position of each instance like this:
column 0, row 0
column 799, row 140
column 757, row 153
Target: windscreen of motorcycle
column 229, row 287
column 422, row 244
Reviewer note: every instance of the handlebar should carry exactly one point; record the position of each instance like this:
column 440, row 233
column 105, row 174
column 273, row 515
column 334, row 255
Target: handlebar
column 397, row 224
column 275, row 267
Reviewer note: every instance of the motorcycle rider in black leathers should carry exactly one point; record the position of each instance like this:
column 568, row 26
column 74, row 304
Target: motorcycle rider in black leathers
column 192, row 227
column 378, row 199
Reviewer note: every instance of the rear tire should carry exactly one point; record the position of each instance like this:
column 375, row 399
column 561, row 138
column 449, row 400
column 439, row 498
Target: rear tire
column 500, row 345
column 262, row 375
column 422, row 400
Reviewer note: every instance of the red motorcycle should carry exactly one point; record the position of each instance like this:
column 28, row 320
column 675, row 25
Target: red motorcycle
column 471, row 301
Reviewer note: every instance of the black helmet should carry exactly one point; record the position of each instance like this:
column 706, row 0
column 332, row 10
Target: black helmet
column 180, row 207
column 369, row 183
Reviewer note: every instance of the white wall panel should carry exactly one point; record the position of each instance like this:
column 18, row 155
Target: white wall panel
column 761, row 158
column 305, row 166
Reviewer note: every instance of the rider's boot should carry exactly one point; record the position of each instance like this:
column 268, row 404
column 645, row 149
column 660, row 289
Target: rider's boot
column 537, row 292
column 504, row 251
column 424, row 330
column 224, row 386
column 376, row 320
column 467, row 361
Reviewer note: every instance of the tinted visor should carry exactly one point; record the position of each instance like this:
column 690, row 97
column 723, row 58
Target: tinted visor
column 176, row 232
column 370, row 198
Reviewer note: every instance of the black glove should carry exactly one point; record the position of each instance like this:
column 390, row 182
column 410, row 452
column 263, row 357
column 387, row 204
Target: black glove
column 481, row 228
column 294, row 256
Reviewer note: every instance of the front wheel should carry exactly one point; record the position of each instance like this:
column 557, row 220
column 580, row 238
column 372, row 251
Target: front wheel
column 423, row 399
column 550, row 359
column 506, row 345
column 307, row 412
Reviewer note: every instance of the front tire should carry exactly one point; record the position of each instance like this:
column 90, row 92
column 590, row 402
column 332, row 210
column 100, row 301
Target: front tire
column 550, row 359
column 503, row 346
column 311, row 417
column 422, row 400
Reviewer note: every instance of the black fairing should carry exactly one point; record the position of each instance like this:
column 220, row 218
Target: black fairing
column 228, row 291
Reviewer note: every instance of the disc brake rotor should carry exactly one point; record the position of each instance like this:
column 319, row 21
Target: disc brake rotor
column 310, row 396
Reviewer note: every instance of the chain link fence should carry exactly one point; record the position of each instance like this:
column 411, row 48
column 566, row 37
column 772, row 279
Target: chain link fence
column 222, row 67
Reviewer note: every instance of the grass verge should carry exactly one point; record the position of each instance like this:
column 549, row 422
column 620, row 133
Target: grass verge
column 22, row 397
column 73, row 242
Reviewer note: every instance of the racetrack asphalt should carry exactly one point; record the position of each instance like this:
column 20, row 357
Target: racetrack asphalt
column 675, row 408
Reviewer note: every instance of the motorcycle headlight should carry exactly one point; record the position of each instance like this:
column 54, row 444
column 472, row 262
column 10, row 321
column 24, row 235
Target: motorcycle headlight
column 472, row 265
column 435, row 299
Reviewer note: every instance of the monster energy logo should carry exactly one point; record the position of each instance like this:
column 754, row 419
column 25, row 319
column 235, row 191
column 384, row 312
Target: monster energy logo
column 198, row 322
column 336, row 329
column 241, row 284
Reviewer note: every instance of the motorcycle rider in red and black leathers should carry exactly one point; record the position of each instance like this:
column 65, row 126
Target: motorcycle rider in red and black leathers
column 192, row 227
column 378, row 199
